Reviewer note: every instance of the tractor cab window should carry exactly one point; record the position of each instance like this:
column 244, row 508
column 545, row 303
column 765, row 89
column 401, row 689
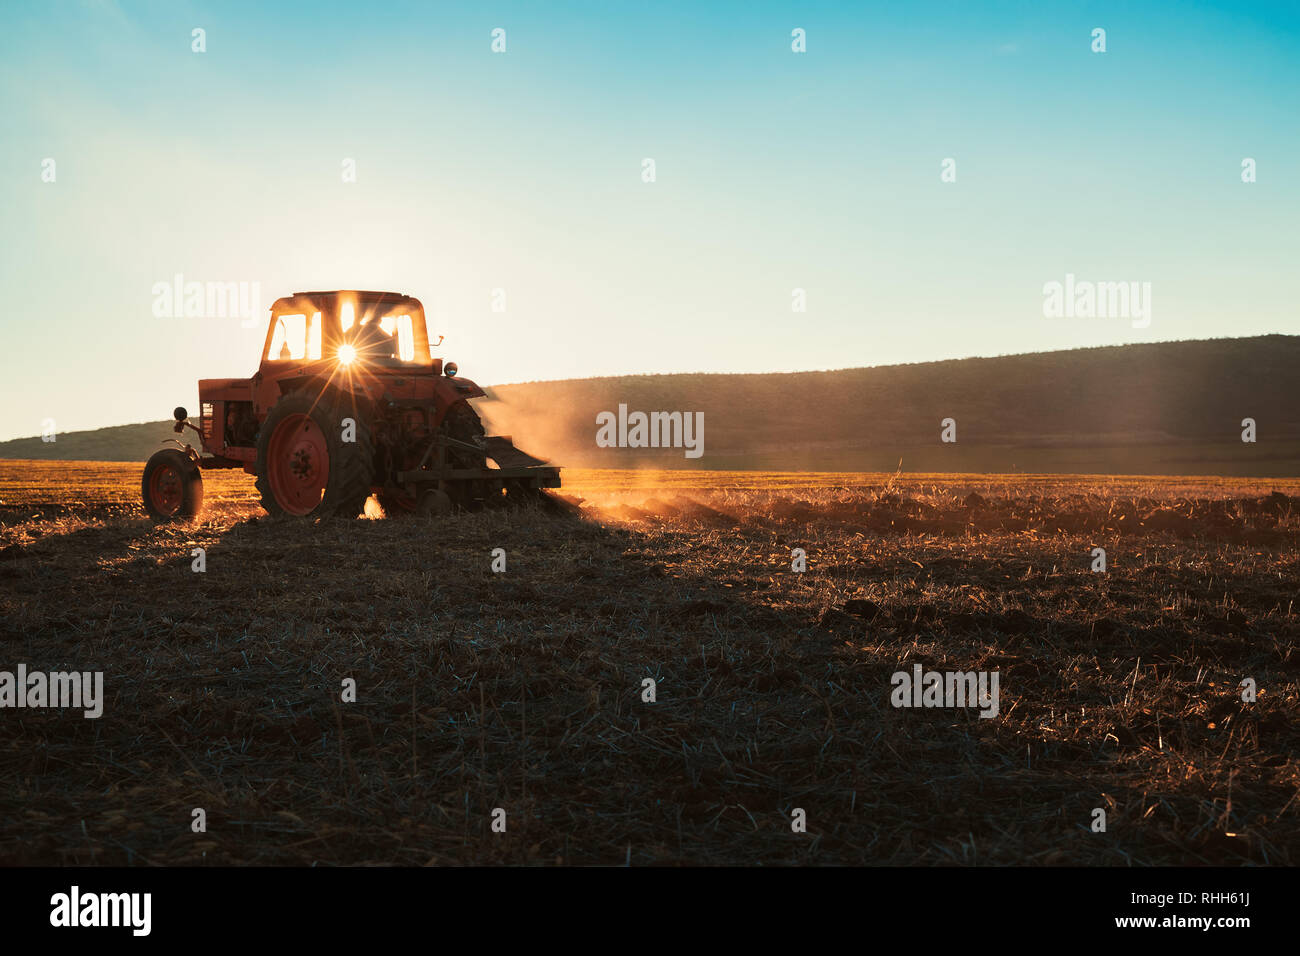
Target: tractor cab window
column 396, row 343
column 399, row 327
column 295, row 338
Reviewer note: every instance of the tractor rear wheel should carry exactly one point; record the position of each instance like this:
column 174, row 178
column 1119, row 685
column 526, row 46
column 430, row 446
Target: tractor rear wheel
column 305, row 467
column 172, row 486
column 462, row 423
column 434, row 504
column 394, row 498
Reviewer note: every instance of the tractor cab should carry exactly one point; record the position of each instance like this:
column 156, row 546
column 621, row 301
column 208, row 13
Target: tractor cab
column 381, row 329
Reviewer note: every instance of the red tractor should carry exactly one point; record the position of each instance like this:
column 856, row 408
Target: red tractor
column 347, row 402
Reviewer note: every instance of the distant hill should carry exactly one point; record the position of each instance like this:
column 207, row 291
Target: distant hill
column 1171, row 408
column 118, row 443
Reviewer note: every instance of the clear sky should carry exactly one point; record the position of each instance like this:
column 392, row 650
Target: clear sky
column 522, row 171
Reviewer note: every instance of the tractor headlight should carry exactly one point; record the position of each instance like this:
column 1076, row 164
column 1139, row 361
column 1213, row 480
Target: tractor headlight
column 347, row 353
column 450, row 369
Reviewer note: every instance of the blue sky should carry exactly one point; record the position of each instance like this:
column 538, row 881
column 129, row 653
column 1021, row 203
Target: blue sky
column 522, row 171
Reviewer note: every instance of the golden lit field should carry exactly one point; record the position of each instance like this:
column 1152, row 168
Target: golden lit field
column 598, row 483
column 522, row 690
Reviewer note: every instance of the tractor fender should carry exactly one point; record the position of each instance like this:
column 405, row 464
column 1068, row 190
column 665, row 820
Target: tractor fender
column 457, row 389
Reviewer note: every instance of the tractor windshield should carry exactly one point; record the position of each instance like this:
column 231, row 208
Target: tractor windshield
column 383, row 337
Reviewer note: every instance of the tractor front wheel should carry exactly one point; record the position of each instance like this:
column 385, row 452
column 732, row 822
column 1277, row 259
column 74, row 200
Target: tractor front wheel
column 172, row 486
column 313, row 458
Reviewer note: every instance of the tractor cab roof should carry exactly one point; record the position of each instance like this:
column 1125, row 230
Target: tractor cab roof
column 298, row 299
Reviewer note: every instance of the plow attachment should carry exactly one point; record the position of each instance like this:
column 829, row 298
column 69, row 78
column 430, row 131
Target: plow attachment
column 503, row 451
column 444, row 463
